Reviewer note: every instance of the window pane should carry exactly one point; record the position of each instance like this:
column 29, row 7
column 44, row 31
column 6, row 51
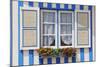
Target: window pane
column 45, row 41
column 48, row 16
column 48, row 29
column 66, row 40
column 66, row 29
column 29, row 18
column 83, row 37
column 48, row 41
column 51, row 41
column 29, row 38
column 66, row 17
column 83, row 19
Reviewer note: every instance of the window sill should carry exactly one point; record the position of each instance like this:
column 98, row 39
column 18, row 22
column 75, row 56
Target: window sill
column 29, row 48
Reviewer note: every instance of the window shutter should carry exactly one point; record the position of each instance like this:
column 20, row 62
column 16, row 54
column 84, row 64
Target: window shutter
column 83, row 28
column 30, row 28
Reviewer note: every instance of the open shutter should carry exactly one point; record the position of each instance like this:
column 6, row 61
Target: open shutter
column 82, row 29
column 29, row 28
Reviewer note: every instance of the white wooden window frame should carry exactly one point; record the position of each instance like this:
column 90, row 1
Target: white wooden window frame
column 67, row 34
column 38, row 35
column 76, row 39
column 49, row 23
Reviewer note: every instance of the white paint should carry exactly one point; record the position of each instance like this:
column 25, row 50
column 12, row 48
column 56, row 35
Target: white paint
column 85, row 2
column 45, row 60
column 36, row 57
column 25, row 57
column 86, row 54
column 15, row 33
column 78, row 55
column 94, row 33
column 69, row 59
column 25, row 4
column 61, row 59
column 53, row 60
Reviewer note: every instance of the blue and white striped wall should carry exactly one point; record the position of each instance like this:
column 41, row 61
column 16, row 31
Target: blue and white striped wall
column 31, row 57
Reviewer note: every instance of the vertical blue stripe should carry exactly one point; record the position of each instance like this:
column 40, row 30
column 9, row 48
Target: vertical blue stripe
column 74, row 58
column 90, row 54
column 81, row 7
column 40, row 60
column 11, row 33
column 31, row 57
column 49, row 5
column 20, row 56
column 73, row 7
column 82, row 54
column 90, row 49
column 66, row 6
column 57, row 60
column 49, row 60
column 40, row 5
column 65, row 59
column 90, row 8
column 30, row 4
column 57, row 6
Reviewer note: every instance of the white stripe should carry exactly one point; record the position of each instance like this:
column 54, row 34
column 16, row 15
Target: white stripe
column 25, row 4
column 93, row 33
column 85, row 7
column 25, row 57
column 69, row 6
column 86, row 54
column 45, row 60
column 45, row 4
column 61, row 59
column 78, row 55
column 77, row 7
column 15, row 33
column 36, row 57
column 69, row 59
column 53, row 60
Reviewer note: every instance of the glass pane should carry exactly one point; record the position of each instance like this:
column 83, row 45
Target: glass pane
column 66, row 29
column 29, row 38
column 83, row 37
column 48, row 29
column 45, row 40
column 48, row 16
column 66, row 17
column 66, row 40
column 51, row 41
column 83, row 19
column 29, row 18
column 48, row 41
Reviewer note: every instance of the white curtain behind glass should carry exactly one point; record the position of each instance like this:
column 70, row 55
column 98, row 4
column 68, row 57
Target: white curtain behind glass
column 48, row 28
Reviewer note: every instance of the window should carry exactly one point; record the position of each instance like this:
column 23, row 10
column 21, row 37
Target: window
column 48, row 27
column 56, row 29
column 29, row 28
column 66, row 31
column 56, row 34
column 83, row 28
